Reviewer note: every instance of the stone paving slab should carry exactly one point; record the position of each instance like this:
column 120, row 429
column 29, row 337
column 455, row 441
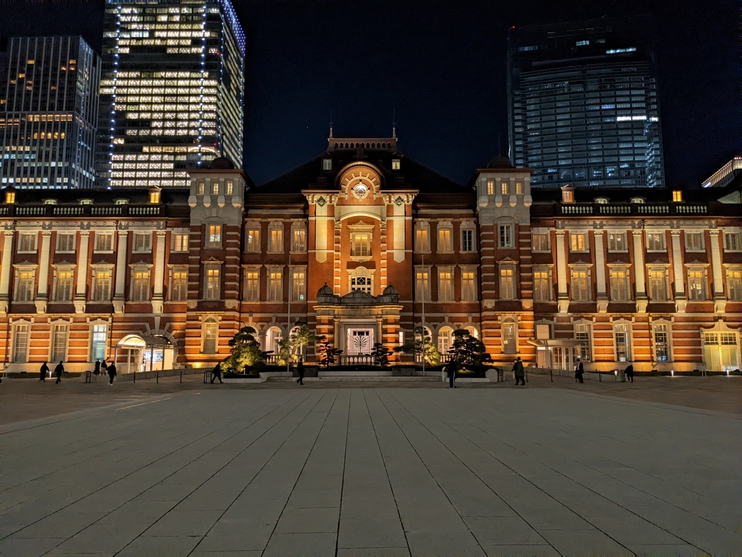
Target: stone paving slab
column 381, row 471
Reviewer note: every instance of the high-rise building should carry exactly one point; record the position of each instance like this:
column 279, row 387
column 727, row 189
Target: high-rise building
column 171, row 91
column 48, row 113
column 583, row 106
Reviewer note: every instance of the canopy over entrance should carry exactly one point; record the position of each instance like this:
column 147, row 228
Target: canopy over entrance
column 145, row 353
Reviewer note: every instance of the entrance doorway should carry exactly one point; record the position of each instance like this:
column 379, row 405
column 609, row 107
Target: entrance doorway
column 360, row 340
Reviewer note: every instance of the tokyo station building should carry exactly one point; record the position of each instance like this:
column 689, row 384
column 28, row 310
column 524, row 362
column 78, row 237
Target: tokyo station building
column 365, row 244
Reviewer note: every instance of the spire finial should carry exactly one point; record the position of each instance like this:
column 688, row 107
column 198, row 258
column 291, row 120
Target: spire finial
column 330, row 122
column 394, row 123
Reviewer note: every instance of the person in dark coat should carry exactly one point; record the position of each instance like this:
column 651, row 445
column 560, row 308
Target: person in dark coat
column 451, row 368
column 629, row 371
column 300, row 371
column 96, row 371
column 58, row 371
column 111, row 372
column 579, row 370
column 43, row 372
column 519, row 371
column 216, row 373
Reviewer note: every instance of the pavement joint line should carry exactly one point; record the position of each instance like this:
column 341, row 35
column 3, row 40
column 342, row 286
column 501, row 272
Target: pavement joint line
column 467, row 467
column 342, row 476
column 265, row 463
column 112, row 483
column 143, row 404
column 580, row 483
column 304, row 464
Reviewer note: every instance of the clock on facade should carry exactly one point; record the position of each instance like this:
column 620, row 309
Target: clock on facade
column 360, row 180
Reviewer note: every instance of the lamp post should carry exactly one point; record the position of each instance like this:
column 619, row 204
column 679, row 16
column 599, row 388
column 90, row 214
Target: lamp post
column 425, row 293
column 288, row 324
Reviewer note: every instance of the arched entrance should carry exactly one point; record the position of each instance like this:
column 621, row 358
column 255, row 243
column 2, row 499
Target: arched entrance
column 143, row 353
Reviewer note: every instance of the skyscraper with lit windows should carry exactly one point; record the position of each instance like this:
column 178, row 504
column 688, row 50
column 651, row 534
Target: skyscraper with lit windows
column 48, row 113
column 583, row 106
column 171, row 90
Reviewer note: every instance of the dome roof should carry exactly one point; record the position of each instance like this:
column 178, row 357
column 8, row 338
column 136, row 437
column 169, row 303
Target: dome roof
column 222, row 163
column 390, row 290
column 325, row 291
column 500, row 161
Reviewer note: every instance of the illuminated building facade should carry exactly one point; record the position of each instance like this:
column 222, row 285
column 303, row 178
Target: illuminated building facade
column 171, row 92
column 583, row 106
column 49, row 113
column 364, row 244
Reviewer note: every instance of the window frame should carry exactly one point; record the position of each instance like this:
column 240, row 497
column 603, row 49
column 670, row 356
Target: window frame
column 540, row 234
column 252, row 238
column 445, row 230
column 212, row 282
column 651, row 281
column 249, row 282
column 95, row 280
column 274, row 288
column 506, row 236
column 56, row 284
column 214, row 235
column 546, row 286
column 574, row 243
column 55, row 336
column 276, row 241
column 299, row 285
column 616, row 238
column 209, row 329
column 145, row 247
column 445, row 283
column 180, row 241
column 97, row 248
column 588, row 284
column 140, row 291
column 620, row 286
column 468, row 245
column 70, row 241
column 27, row 282
column 28, row 242
column 469, row 293
column 422, row 237
column 698, row 249
column 734, row 293
column 422, row 283
column 696, row 294
column 660, row 246
column 178, row 269
column 298, row 245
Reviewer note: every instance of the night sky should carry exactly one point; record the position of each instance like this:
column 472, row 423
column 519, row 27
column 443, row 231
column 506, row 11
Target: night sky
column 441, row 66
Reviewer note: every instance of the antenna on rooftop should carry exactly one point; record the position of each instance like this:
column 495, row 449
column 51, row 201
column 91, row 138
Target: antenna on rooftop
column 330, row 122
column 394, row 123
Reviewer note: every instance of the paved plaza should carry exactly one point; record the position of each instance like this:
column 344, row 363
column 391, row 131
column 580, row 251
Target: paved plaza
column 370, row 470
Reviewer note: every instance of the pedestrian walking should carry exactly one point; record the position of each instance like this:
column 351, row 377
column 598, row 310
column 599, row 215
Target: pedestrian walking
column 43, row 372
column 96, row 370
column 629, row 371
column 111, row 370
column 58, row 371
column 216, row 373
column 451, row 368
column 519, row 371
column 579, row 370
column 300, row 371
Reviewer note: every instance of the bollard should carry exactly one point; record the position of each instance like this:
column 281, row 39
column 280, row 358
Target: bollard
column 157, row 376
column 134, row 379
column 181, row 376
column 600, row 377
column 551, row 374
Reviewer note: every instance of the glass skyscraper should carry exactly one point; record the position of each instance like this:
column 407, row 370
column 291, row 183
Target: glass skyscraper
column 48, row 113
column 171, row 91
column 583, row 106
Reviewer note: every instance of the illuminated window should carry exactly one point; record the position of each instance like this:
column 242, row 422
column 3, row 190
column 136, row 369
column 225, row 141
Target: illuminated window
column 422, row 237
column 734, row 285
column 275, row 285
column 66, row 243
column 25, row 281
column 210, row 335
column 577, row 241
column 27, row 242
column 540, row 241
column 178, row 285
column 733, row 241
column 154, row 197
column 21, row 333
column 326, row 164
column 229, row 187
column 445, row 284
column 63, row 286
column 622, row 340
column 142, row 242
column 542, row 286
column 656, row 241
column 658, row 285
column 103, row 241
column 60, row 334
column 101, row 285
column 518, row 188
column 212, row 282
column 214, row 238
column 507, row 282
column 506, row 236
column 468, row 285
column 445, row 237
column 298, row 239
column 98, row 341
column 581, row 285
column 422, row 284
column 444, row 339
column 490, row 186
column 396, row 164
column 214, row 188
column 275, row 237
column 619, row 279
column 582, row 333
column 252, row 243
column 617, row 242
column 697, row 290
column 677, row 196
column 139, row 285
column 298, row 285
column 360, row 244
column 661, row 343
column 180, row 242
column 252, row 285
column 509, row 337
column 201, row 188
column 505, row 187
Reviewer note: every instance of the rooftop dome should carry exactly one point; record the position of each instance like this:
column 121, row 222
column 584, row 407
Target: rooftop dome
column 222, row 163
column 325, row 291
column 390, row 290
column 500, row 161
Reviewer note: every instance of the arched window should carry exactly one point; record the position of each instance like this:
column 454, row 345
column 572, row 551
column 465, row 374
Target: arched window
column 361, row 279
column 509, row 337
column 472, row 331
column 210, row 336
column 273, row 336
column 444, row 339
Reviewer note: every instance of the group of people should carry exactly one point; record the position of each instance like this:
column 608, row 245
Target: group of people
column 59, row 370
column 580, row 370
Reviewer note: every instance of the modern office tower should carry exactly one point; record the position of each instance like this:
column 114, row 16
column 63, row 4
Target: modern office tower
column 583, row 106
column 48, row 113
column 171, row 92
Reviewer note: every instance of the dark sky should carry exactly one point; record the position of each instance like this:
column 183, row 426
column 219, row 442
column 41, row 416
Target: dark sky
column 441, row 66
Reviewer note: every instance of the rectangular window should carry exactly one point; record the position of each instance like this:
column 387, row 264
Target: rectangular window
column 210, row 336
column 577, row 241
column 422, row 285
column 445, row 285
column 298, row 285
column 275, row 285
column 581, row 285
column 20, row 342
column 212, row 282
column 694, row 241
column 101, row 285
column 422, row 241
column 506, row 237
column 468, row 286
column 178, row 285
column 656, row 241
column 467, row 240
column 201, row 188
column 214, row 237
column 276, row 240
column 361, row 245
column 253, row 240
column 661, row 343
column 734, row 285
column 65, row 243
column 103, row 242
column 180, row 242
column 299, row 240
column 697, row 285
column 24, row 286
column 623, row 345
column 98, row 341
column 27, row 242
column 229, row 187
column 60, row 333
column 540, row 241
column 518, row 188
column 327, row 164
column 658, row 285
column 507, row 282
column 63, row 286
column 582, row 333
column 214, row 188
column 620, row 285
column 541, row 286
column 142, row 242
column 445, row 241
column 505, row 187
column 617, row 241
column 139, row 285
column 490, row 187
column 252, row 285
column 733, row 241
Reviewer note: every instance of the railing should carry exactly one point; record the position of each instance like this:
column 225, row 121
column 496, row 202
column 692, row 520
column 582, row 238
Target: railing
column 41, row 210
column 354, row 360
column 631, row 209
